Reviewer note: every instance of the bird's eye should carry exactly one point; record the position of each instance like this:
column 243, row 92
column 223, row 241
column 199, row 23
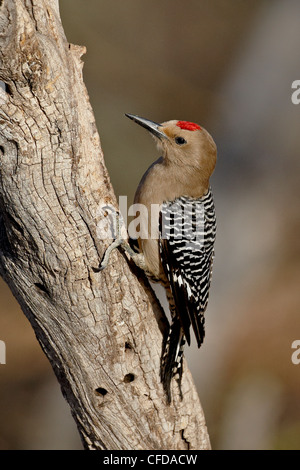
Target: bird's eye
column 180, row 140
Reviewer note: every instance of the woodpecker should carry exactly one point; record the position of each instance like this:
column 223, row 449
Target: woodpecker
column 178, row 230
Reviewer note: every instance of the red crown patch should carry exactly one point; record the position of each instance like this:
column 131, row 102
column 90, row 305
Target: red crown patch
column 188, row 126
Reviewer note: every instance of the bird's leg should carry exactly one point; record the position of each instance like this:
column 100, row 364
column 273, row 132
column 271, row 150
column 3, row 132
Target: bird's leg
column 107, row 253
column 137, row 258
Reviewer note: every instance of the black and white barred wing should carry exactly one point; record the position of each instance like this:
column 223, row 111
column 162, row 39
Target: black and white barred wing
column 187, row 235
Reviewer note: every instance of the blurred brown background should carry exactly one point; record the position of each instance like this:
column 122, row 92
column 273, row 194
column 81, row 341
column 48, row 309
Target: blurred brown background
column 228, row 65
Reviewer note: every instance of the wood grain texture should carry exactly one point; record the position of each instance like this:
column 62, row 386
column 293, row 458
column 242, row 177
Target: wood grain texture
column 100, row 331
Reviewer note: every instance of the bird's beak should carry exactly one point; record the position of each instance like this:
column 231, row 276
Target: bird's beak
column 151, row 126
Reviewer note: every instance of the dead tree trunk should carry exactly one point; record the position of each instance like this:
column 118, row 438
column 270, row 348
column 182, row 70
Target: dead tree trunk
column 99, row 330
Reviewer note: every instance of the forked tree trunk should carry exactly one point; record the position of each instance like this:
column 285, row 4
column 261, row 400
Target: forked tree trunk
column 100, row 331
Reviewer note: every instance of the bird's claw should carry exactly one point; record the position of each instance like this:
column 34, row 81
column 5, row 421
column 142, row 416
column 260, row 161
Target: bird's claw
column 105, row 259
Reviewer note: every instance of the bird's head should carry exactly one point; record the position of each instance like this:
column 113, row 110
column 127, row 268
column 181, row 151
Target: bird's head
column 184, row 144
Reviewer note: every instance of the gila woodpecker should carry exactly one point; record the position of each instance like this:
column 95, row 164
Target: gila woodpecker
column 176, row 245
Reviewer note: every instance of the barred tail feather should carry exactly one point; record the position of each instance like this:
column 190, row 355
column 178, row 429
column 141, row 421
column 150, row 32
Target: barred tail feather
column 171, row 361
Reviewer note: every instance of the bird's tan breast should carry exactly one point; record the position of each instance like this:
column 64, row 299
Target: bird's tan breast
column 159, row 184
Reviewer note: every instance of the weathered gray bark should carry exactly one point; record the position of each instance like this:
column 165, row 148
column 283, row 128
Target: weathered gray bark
column 99, row 330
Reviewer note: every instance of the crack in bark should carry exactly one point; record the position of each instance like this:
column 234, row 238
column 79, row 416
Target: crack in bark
column 184, row 439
